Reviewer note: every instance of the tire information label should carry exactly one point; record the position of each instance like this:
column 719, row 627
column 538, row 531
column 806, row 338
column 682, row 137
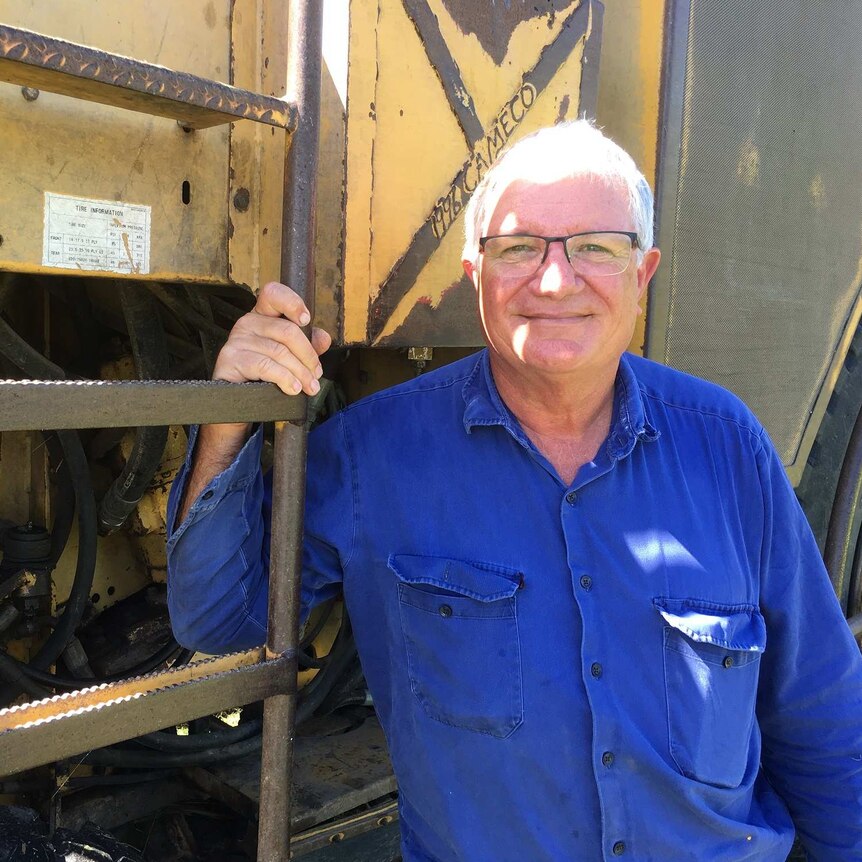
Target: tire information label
column 86, row 234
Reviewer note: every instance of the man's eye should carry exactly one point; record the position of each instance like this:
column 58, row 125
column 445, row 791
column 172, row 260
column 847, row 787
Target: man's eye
column 518, row 250
column 593, row 248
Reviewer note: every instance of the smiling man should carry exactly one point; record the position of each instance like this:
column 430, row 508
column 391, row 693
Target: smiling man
column 590, row 611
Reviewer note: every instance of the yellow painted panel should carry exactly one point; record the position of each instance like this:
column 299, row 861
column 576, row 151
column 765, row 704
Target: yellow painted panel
column 360, row 133
column 66, row 146
column 630, row 87
column 435, row 91
column 443, row 272
column 258, row 34
column 416, row 138
column 492, row 71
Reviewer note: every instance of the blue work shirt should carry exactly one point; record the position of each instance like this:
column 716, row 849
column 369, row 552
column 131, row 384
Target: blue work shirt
column 649, row 663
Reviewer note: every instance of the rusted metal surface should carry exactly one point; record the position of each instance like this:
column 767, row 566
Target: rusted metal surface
column 71, row 724
column 34, row 60
column 62, row 404
column 297, row 269
column 333, row 775
column 345, row 828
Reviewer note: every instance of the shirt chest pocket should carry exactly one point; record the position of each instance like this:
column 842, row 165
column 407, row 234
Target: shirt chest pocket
column 712, row 663
column 459, row 621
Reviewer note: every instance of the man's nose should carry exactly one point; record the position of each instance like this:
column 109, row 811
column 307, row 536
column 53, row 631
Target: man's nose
column 556, row 274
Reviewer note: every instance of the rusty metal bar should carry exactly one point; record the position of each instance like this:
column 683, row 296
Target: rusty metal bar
column 304, row 45
column 34, row 60
column 59, row 404
column 67, row 725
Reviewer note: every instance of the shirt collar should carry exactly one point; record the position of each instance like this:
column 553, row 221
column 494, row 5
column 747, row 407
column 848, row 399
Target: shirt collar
column 483, row 406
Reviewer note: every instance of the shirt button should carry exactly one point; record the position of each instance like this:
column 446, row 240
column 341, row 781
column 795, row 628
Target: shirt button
column 206, row 495
column 571, row 497
column 608, row 759
column 586, row 582
column 596, row 669
column 619, row 848
column 445, row 611
column 727, row 661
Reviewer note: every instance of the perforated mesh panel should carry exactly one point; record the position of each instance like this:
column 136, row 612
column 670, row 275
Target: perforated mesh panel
column 763, row 255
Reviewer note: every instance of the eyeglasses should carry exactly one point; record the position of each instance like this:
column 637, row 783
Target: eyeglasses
column 592, row 253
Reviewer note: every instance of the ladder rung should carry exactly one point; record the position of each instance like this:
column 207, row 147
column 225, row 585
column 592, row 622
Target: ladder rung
column 59, row 404
column 33, row 60
column 70, row 724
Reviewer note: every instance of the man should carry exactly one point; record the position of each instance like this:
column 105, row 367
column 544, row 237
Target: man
column 590, row 611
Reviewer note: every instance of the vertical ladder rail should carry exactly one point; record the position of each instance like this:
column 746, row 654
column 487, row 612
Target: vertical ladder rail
column 297, row 271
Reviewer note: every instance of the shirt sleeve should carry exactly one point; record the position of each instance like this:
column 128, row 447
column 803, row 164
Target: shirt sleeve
column 810, row 697
column 218, row 557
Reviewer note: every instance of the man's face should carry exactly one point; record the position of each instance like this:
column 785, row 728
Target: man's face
column 558, row 320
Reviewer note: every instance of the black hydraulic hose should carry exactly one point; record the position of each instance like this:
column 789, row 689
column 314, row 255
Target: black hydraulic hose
column 64, row 499
column 36, row 366
column 150, row 352
column 184, row 312
column 337, row 661
column 161, row 759
column 162, row 741
column 165, row 654
column 13, row 673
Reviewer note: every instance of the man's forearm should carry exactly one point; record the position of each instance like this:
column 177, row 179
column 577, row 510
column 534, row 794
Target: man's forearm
column 215, row 450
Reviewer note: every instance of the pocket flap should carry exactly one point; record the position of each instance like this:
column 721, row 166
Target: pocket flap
column 736, row 627
column 481, row 581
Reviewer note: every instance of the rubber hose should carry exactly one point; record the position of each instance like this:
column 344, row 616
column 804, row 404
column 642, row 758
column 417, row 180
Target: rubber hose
column 12, row 672
column 160, row 759
column 189, row 315
column 165, row 654
column 32, row 363
column 150, row 352
column 340, row 656
column 64, row 500
column 161, row 741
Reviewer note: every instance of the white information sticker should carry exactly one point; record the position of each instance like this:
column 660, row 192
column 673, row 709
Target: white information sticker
column 86, row 234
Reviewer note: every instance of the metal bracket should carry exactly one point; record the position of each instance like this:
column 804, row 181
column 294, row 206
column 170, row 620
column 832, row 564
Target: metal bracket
column 33, row 60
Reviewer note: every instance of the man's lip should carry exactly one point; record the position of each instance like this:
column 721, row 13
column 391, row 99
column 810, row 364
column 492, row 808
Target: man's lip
column 560, row 317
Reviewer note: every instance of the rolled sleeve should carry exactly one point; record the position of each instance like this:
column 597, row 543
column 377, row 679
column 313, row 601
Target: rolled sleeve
column 219, row 556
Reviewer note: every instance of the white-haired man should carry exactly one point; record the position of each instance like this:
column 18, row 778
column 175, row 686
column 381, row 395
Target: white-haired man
column 589, row 609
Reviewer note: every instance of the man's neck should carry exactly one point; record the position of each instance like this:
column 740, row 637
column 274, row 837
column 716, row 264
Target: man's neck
column 567, row 417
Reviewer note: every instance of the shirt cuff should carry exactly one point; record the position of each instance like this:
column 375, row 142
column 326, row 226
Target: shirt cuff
column 239, row 474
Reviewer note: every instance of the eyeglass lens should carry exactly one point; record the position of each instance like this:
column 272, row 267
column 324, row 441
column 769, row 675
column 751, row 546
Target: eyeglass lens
column 595, row 253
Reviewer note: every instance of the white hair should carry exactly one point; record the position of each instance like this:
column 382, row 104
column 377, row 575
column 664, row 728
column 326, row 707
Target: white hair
column 567, row 149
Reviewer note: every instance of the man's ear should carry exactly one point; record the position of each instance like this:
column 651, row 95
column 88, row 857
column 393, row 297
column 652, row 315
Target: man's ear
column 472, row 271
column 646, row 270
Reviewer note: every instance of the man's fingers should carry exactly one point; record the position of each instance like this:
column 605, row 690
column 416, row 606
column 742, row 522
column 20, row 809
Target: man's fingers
column 284, row 332
column 321, row 340
column 278, row 300
column 251, row 357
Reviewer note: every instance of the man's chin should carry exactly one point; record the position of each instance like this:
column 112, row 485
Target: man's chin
column 556, row 355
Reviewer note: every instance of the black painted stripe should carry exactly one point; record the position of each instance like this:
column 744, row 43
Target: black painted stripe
column 461, row 102
column 425, row 241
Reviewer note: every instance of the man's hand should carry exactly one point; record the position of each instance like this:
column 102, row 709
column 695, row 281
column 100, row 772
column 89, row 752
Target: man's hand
column 266, row 344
